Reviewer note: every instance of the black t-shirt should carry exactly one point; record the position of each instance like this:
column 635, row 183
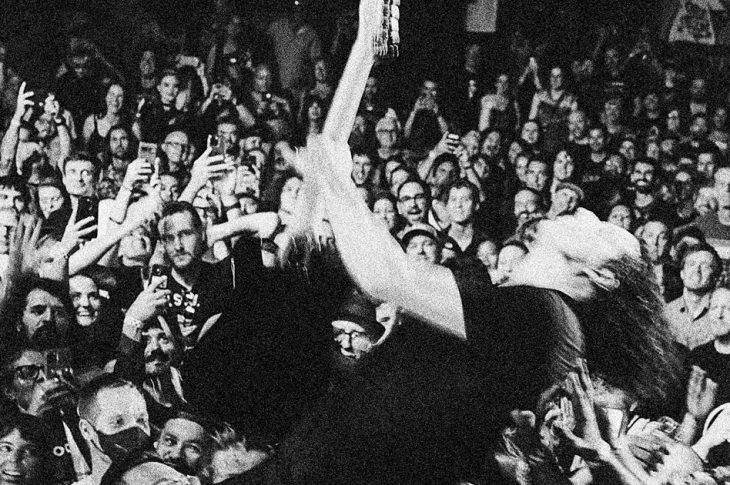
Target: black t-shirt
column 525, row 337
column 716, row 365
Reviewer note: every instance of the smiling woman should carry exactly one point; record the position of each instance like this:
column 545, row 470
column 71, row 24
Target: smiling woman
column 24, row 450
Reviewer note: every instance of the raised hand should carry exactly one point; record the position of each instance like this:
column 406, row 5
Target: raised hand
column 207, row 167
column 24, row 256
column 75, row 231
column 150, row 302
column 701, row 393
column 139, row 171
column 24, row 101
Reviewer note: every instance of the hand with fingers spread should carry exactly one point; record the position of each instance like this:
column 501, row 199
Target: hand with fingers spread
column 207, row 167
column 145, row 210
column 701, row 394
column 51, row 395
column 23, row 256
column 75, row 232
column 25, row 101
column 151, row 302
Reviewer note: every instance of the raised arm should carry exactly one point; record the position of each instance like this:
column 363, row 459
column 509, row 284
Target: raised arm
column 9, row 145
column 372, row 257
column 341, row 116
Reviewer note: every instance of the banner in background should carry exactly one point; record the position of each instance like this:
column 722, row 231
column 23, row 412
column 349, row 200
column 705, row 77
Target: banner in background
column 703, row 22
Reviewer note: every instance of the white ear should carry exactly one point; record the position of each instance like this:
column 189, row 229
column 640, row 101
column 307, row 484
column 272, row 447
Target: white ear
column 602, row 278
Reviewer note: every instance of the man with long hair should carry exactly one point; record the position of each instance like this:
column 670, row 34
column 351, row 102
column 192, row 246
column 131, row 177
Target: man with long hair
column 584, row 289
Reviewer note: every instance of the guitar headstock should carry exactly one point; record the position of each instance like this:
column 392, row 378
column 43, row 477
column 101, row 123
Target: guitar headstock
column 386, row 40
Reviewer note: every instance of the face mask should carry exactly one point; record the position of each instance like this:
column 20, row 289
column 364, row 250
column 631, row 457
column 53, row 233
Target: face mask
column 119, row 445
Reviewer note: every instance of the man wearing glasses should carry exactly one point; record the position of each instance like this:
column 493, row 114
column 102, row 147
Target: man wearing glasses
column 414, row 202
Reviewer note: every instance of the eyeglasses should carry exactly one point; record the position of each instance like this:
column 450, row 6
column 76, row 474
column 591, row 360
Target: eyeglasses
column 29, row 372
column 417, row 198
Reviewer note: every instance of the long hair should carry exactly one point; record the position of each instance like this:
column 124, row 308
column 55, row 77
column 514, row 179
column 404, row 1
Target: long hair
column 628, row 342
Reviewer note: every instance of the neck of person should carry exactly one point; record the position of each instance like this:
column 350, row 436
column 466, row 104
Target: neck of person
column 723, row 216
column 694, row 299
column 462, row 231
column 642, row 200
column 722, row 344
column 188, row 276
column 100, row 464
column 386, row 152
column 112, row 118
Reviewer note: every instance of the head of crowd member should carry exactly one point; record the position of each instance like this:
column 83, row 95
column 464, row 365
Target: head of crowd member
column 563, row 166
column 356, row 329
column 86, row 299
column 721, row 192
column 182, row 235
column 371, row 89
column 557, row 78
column 385, row 209
column 25, row 452
column 577, row 125
column 530, row 133
column 160, row 352
column 511, row 253
column 430, row 89
column 621, row 215
column 176, row 147
column 414, row 201
column 492, row 144
column 113, row 420
column 488, row 254
column 515, row 148
column 387, row 132
column 627, row 148
column 41, row 312
column 643, row 175
column 168, row 87
column 674, row 120
column 538, row 175
column 395, row 174
column 566, row 199
column 720, row 312
column 170, row 187
column 444, row 172
column 135, row 248
column 362, row 169
column 597, row 139
column 655, row 236
column 706, row 165
column 615, row 165
column 521, row 162
column 79, row 174
column 79, row 62
column 698, row 90
column 699, row 128
column 185, row 443
column 120, row 144
column 612, row 111
column 51, row 196
column 421, row 243
column 700, row 269
column 114, row 98
column 231, row 455
column 262, row 79
column 528, row 205
column 291, row 183
column 462, row 202
column 228, row 133
column 13, row 193
column 470, row 143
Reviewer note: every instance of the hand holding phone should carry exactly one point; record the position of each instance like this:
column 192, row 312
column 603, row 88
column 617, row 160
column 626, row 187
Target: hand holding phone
column 147, row 151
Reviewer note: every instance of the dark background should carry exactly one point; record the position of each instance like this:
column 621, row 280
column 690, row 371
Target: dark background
column 432, row 33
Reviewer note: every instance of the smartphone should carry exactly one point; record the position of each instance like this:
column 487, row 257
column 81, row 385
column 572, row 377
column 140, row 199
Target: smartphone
column 58, row 364
column 87, row 208
column 158, row 272
column 216, row 142
column 148, row 151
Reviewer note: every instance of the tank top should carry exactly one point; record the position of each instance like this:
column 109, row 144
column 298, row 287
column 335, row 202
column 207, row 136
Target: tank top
column 96, row 143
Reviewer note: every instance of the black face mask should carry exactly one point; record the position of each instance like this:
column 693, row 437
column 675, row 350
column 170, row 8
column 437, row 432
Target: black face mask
column 119, row 445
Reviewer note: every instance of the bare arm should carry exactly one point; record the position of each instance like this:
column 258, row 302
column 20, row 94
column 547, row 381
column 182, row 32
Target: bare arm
column 341, row 116
column 534, row 107
column 261, row 225
column 9, row 145
column 373, row 258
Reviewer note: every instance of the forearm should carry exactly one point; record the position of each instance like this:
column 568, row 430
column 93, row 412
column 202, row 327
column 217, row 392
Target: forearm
column 484, row 117
column 118, row 208
column 687, row 430
column 191, row 190
column 347, row 98
column 64, row 139
column 9, row 147
column 425, row 165
column 472, row 177
column 93, row 251
column 535, row 105
column 261, row 224
column 408, row 127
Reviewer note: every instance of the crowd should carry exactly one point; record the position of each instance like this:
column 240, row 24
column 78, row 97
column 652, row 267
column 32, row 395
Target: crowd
column 246, row 260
